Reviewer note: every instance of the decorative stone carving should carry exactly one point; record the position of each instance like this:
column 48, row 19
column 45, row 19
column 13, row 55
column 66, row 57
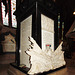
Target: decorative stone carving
column 9, row 44
column 44, row 60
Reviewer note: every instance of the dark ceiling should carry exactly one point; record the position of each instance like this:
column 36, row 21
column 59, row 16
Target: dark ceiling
column 67, row 8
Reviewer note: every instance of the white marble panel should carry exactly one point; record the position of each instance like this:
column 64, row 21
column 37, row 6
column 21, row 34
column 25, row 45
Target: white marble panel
column 26, row 30
column 47, row 29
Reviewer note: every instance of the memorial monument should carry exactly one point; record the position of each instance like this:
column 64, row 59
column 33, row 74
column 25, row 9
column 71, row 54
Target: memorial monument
column 38, row 46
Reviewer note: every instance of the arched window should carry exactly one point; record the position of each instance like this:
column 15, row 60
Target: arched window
column 7, row 9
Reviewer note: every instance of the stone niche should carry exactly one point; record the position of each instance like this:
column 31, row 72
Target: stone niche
column 38, row 25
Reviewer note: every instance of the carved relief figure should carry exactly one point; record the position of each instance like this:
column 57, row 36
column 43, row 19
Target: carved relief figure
column 44, row 60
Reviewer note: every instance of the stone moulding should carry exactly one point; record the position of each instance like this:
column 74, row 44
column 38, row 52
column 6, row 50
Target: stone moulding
column 44, row 60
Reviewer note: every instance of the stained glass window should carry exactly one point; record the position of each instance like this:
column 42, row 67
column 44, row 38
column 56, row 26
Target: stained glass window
column 13, row 8
column 4, row 15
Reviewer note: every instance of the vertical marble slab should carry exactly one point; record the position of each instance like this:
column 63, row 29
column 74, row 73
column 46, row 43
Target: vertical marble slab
column 25, row 31
column 47, row 29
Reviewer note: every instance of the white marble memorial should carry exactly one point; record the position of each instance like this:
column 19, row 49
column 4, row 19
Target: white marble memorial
column 44, row 60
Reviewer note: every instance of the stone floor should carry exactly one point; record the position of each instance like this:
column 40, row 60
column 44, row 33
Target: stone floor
column 64, row 71
column 3, row 69
column 5, row 60
column 68, row 70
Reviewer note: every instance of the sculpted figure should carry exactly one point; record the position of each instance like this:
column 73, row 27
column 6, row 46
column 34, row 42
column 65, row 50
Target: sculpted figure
column 44, row 60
